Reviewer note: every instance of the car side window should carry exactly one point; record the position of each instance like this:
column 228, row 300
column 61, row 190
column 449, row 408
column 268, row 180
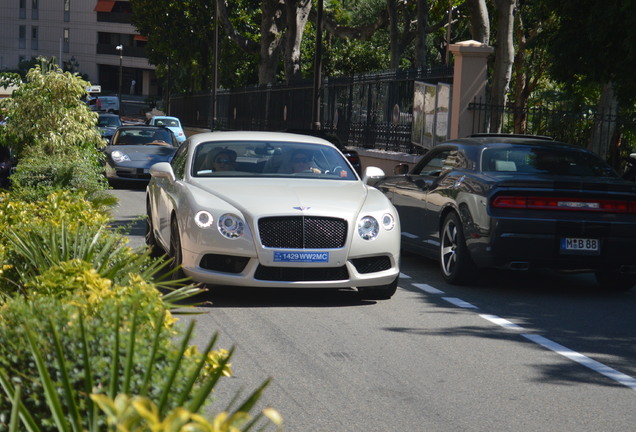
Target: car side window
column 440, row 162
column 179, row 162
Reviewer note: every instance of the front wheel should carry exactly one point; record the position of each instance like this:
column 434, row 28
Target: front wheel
column 175, row 251
column 455, row 261
column 382, row 292
column 151, row 240
column 615, row 281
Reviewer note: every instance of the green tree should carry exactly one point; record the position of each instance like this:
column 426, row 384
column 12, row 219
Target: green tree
column 47, row 116
column 592, row 48
column 53, row 133
column 181, row 43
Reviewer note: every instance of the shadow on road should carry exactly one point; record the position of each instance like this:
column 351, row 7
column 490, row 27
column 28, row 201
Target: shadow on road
column 246, row 297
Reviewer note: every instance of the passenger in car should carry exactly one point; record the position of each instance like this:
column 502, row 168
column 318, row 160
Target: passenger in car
column 221, row 160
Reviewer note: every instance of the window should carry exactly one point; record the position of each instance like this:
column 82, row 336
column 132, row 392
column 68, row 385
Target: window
column 35, row 9
column 22, row 40
column 67, row 10
column 22, row 9
column 66, row 44
column 34, row 37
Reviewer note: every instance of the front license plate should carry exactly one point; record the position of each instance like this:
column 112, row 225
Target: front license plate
column 580, row 245
column 301, row 257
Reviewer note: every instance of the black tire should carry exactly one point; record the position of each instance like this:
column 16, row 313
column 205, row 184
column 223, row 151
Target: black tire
column 614, row 280
column 382, row 292
column 151, row 240
column 175, row 251
column 455, row 262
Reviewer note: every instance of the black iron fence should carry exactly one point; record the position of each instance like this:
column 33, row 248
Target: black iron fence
column 607, row 133
column 371, row 111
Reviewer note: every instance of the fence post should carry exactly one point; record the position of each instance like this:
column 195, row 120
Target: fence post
column 469, row 83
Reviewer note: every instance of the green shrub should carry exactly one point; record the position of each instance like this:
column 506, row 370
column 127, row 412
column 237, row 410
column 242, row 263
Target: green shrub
column 112, row 341
column 36, row 177
column 37, row 220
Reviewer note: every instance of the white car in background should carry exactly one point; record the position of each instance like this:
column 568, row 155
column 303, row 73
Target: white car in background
column 272, row 210
column 107, row 104
column 172, row 123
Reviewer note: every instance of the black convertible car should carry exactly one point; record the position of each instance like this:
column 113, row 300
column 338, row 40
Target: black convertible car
column 518, row 202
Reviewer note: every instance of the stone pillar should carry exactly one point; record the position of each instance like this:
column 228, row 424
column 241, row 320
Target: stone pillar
column 469, row 82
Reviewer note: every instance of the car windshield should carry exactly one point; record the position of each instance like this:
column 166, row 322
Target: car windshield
column 141, row 136
column 269, row 159
column 555, row 160
column 108, row 121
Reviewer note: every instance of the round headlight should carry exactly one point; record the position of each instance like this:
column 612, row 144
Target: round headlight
column 231, row 226
column 388, row 221
column 368, row 228
column 203, row 219
column 119, row 156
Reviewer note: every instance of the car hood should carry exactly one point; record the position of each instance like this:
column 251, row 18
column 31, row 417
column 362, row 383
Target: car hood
column 107, row 130
column 269, row 197
column 153, row 152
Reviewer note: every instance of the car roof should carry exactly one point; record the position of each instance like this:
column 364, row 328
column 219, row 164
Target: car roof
column 517, row 139
column 164, row 117
column 256, row 136
column 108, row 115
column 142, row 126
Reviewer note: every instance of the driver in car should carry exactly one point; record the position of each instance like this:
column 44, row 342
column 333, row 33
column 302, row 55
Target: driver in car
column 301, row 161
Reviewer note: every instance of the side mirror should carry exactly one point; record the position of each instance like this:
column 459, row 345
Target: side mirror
column 401, row 169
column 372, row 174
column 163, row 170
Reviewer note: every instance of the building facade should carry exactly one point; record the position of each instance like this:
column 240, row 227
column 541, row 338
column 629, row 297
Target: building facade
column 84, row 35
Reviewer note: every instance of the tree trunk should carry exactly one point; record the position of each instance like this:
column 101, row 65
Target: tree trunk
column 504, row 56
column 392, row 11
column 521, row 88
column 605, row 136
column 297, row 16
column 479, row 21
column 421, row 33
column 271, row 28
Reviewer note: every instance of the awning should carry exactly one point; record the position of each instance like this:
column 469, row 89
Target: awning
column 104, row 5
column 141, row 38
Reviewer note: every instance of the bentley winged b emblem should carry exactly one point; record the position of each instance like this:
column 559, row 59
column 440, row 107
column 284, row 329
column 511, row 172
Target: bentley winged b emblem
column 302, row 208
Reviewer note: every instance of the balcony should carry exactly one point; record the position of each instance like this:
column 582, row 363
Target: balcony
column 128, row 51
column 114, row 17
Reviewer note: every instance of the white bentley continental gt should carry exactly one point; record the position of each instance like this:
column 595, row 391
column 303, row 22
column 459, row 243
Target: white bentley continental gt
column 267, row 209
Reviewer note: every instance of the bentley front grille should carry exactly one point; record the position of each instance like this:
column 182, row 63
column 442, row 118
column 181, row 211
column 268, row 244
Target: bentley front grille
column 300, row 274
column 302, row 232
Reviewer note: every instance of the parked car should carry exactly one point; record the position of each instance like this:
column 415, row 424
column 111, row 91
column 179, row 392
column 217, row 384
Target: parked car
column 172, row 123
column 133, row 149
column 234, row 209
column 517, row 202
column 109, row 104
column 107, row 124
column 352, row 155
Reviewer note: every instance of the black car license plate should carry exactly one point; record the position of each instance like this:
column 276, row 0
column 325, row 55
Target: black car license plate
column 586, row 246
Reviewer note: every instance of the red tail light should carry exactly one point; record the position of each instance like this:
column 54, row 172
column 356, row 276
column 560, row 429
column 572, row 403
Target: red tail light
column 561, row 203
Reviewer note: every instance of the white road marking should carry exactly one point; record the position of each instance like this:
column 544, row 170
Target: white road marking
column 404, row 276
column 579, row 358
column 427, row 288
column 613, row 374
column 459, row 302
column 501, row 322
